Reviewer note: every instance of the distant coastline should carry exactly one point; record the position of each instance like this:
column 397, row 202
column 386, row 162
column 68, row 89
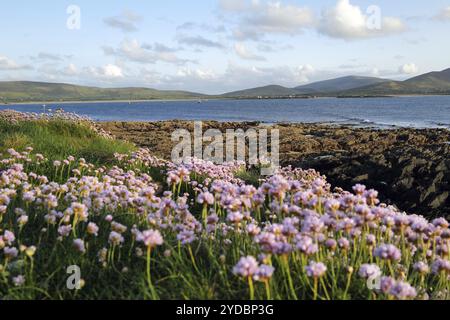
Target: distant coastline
column 2, row 103
column 432, row 83
column 102, row 101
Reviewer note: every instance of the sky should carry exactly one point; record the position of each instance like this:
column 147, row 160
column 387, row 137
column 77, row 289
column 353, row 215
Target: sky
column 217, row 46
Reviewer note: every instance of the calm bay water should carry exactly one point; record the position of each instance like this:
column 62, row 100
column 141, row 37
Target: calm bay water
column 423, row 111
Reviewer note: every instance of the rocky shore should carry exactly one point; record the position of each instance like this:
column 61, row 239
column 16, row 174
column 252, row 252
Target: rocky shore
column 409, row 167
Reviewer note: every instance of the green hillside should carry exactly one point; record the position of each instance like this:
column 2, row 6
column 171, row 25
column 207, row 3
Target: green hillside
column 26, row 91
column 429, row 83
column 266, row 91
column 339, row 84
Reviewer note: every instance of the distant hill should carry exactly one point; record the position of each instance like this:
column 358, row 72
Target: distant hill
column 339, row 84
column 431, row 82
column 316, row 88
column 267, row 91
column 428, row 83
column 26, row 91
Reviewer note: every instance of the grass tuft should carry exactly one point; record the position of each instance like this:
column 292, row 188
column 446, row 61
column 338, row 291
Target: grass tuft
column 58, row 139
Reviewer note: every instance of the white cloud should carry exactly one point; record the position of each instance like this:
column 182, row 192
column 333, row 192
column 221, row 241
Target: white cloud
column 198, row 74
column 132, row 50
column 190, row 25
column 242, row 51
column 126, row 21
column 347, row 21
column 303, row 73
column 47, row 56
column 443, row 15
column 9, row 64
column 199, row 41
column 408, row 68
column 260, row 18
column 50, row 71
column 237, row 77
column 278, row 18
column 111, row 71
column 107, row 72
column 71, row 70
column 375, row 72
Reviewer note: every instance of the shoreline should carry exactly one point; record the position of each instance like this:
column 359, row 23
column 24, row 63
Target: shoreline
column 331, row 124
column 218, row 98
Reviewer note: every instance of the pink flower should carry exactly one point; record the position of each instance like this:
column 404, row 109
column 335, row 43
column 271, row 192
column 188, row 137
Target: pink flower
column 387, row 252
column 315, row 269
column 369, row 270
column 78, row 244
column 151, row 238
column 115, row 238
column 246, row 267
column 206, row 198
column 92, row 229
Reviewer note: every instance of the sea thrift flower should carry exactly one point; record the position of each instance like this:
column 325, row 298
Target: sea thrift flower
column 10, row 252
column 246, row 267
column 421, row 267
column 78, row 244
column 344, row 243
column 315, row 269
column 370, row 240
column 102, row 255
column 386, row 283
column 120, row 228
column 264, row 273
column 403, row 291
column 441, row 222
column 359, row 189
column 115, row 238
column 22, row 220
column 186, row 237
column 253, row 229
column 19, row 280
column 206, row 198
column 331, row 244
column 235, row 217
column 367, row 271
column 332, row 205
column 79, row 210
column 151, row 238
column 440, row 266
column 64, row 230
column 387, row 252
column 92, row 229
column 9, row 237
column 306, row 245
column 293, row 210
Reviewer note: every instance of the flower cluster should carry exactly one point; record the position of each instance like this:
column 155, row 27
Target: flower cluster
column 201, row 218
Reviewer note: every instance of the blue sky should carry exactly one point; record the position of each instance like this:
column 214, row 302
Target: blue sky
column 215, row 46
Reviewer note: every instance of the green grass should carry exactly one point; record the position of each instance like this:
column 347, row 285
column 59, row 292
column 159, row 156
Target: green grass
column 58, row 139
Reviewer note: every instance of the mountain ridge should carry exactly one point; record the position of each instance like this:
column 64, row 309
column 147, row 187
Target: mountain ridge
column 436, row 82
